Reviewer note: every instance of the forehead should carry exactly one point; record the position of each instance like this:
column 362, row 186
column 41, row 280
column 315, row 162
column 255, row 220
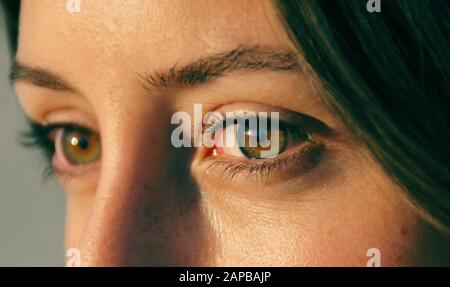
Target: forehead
column 129, row 34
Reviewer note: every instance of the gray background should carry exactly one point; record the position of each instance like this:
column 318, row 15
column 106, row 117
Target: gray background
column 31, row 210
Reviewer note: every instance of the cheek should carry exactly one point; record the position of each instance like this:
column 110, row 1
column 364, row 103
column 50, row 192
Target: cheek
column 331, row 226
column 332, row 237
column 346, row 237
column 365, row 210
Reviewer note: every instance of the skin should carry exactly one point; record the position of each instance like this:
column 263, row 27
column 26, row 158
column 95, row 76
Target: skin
column 147, row 203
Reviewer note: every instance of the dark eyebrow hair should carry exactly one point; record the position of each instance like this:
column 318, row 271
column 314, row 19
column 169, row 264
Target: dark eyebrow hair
column 195, row 73
column 205, row 69
column 37, row 76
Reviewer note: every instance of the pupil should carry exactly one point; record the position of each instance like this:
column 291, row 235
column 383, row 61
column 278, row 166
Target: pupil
column 83, row 143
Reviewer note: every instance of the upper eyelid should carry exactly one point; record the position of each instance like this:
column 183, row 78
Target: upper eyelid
column 68, row 125
column 292, row 120
column 314, row 125
column 38, row 135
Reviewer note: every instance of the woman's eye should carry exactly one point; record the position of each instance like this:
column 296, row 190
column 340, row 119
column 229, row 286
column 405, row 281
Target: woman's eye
column 75, row 147
column 252, row 142
column 239, row 150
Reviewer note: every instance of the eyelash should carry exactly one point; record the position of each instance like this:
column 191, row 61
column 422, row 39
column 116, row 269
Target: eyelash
column 229, row 170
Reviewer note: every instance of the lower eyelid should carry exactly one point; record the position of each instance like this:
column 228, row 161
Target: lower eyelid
column 297, row 162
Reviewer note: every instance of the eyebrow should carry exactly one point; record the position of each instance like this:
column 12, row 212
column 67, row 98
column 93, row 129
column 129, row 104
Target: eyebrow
column 37, row 76
column 198, row 72
column 206, row 69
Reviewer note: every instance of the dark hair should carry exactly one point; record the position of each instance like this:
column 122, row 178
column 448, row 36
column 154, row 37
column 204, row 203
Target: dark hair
column 12, row 9
column 388, row 78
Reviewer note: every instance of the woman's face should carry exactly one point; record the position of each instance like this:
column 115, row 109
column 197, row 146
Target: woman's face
column 122, row 69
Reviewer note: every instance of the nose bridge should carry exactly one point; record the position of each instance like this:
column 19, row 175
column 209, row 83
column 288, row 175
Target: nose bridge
column 145, row 199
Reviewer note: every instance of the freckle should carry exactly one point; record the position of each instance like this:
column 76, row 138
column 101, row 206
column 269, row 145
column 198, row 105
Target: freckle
column 404, row 231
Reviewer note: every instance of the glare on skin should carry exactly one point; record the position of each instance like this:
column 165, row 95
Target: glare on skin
column 135, row 208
